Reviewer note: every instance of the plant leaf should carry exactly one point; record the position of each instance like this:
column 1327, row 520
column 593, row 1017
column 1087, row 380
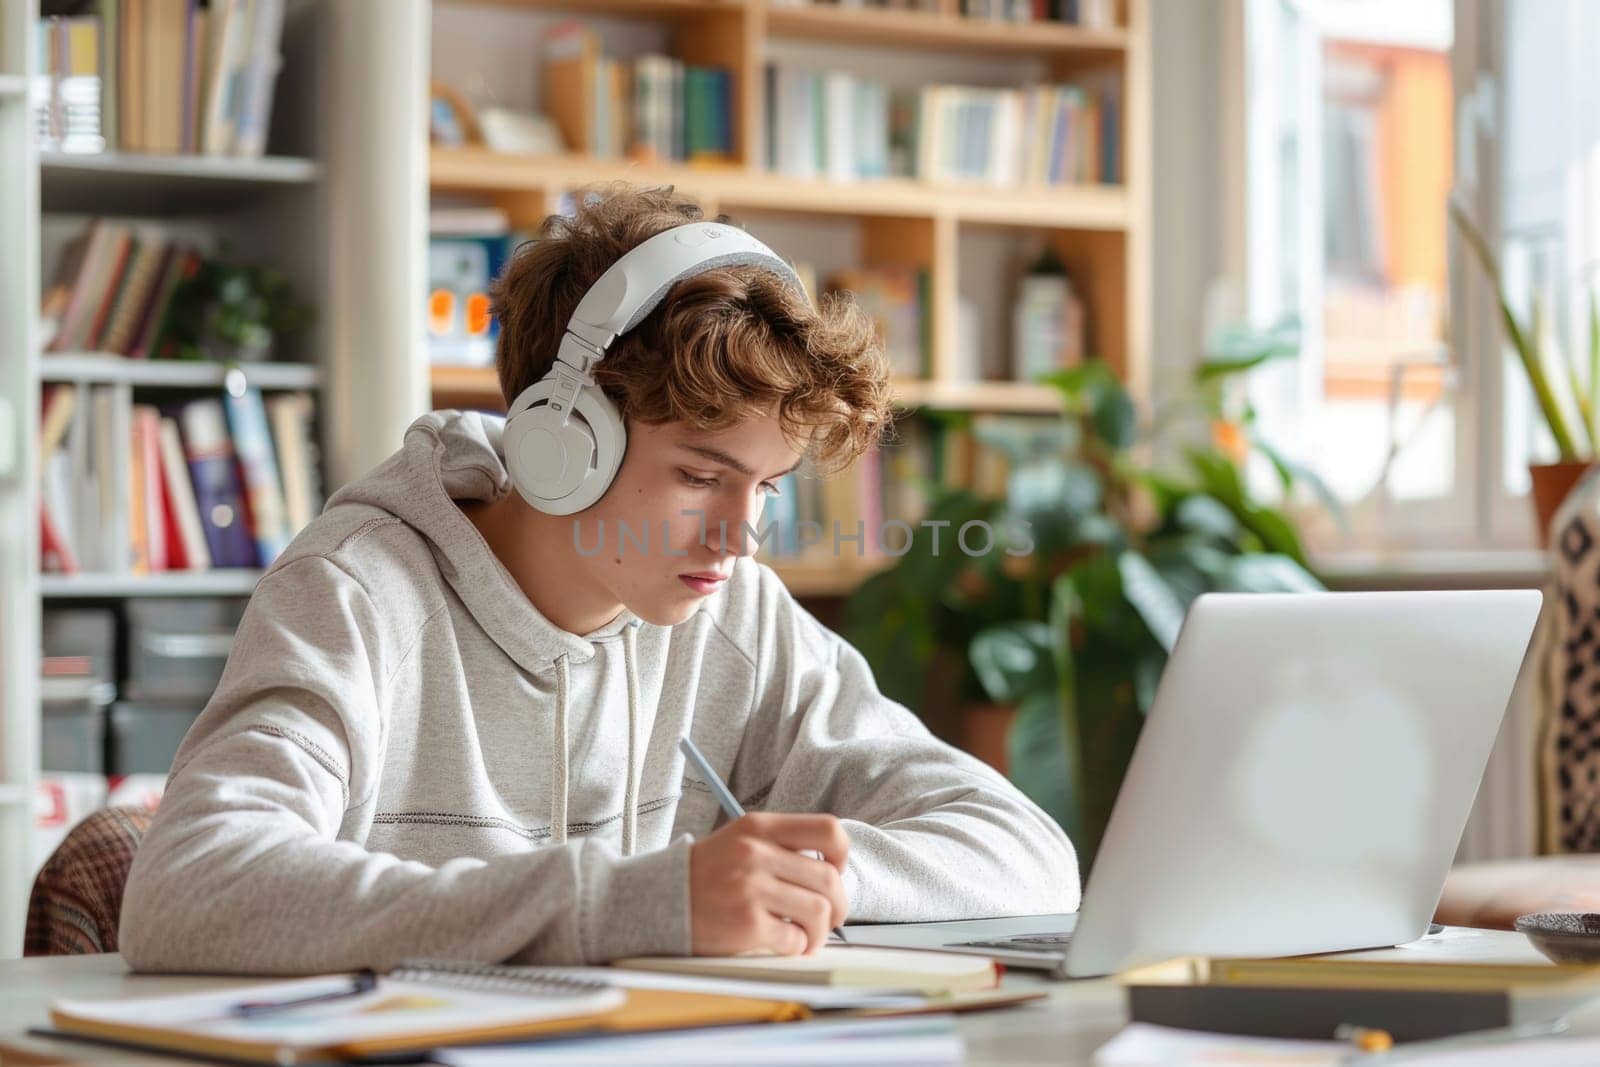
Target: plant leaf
column 1013, row 660
column 1150, row 596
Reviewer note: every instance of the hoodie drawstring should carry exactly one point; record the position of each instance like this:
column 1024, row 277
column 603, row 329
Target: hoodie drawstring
column 559, row 755
column 558, row 759
column 630, row 803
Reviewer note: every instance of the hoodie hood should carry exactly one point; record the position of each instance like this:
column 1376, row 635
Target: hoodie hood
column 449, row 456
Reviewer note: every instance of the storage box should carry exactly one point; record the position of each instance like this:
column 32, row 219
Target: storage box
column 177, row 648
column 145, row 735
column 72, row 727
column 87, row 632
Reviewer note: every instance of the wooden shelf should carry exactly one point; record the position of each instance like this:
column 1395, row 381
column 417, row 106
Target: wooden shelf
column 813, row 580
column 466, row 387
column 220, row 582
column 656, row 9
column 927, row 30
column 125, row 183
column 176, row 374
column 478, row 387
column 1080, row 207
column 1018, row 397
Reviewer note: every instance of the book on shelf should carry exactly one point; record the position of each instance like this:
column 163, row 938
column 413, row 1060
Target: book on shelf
column 67, row 100
column 136, row 489
column 844, row 127
column 868, row 511
column 1091, row 14
column 467, row 247
column 159, row 76
column 654, row 108
column 896, row 299
column 112, row 290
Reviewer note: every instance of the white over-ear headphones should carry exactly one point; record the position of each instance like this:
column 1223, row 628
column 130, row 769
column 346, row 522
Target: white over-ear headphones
column 564, row 438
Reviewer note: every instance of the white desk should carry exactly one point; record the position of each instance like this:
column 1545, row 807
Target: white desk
column 1062, row 1031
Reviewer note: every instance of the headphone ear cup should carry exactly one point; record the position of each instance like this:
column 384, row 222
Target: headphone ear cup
column 561, row 469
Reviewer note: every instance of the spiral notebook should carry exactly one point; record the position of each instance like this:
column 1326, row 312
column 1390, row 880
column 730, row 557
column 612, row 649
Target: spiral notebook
column 418, row 1006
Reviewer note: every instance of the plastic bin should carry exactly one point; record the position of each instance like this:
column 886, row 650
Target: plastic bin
column 87, row 632
column 177, row 648
column 72, row 728
column 145, row 735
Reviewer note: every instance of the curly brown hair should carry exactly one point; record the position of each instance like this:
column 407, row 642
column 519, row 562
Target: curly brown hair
column 724, row 346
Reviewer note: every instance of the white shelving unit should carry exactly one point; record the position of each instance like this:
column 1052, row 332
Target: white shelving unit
column 175, row 374
column 342, row 211
column 19, row 407
column 229, row 581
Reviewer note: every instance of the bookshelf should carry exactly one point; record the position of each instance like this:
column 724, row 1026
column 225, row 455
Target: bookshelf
column 337, row 203
column 1100, row 231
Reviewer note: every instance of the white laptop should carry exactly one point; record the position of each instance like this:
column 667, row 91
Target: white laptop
column 1301, row 784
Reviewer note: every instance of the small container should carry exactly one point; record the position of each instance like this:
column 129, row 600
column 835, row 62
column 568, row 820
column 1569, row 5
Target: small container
column 72, row 728
column 177, row 649
column 87, row 632
column 1563, row 936
column 145, row 735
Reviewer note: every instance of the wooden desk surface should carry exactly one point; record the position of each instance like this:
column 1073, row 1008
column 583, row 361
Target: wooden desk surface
column 1062, row 1031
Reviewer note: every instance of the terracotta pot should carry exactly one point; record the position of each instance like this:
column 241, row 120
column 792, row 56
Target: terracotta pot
column 1551, row 484
column 983, row 732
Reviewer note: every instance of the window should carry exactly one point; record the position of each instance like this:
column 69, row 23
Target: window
column 1349, row 128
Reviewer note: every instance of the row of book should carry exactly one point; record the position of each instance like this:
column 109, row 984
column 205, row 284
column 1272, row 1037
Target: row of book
column 136, row 489
column 843, row 127
column 159, row 76
column 112, row 290
column 655, row 108
column 816, row 520
column 1091, row 14
column 1095, row 14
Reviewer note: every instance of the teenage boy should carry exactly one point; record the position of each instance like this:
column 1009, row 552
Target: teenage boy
column 450, row 723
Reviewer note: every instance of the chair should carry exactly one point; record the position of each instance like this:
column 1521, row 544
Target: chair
column 77, row 897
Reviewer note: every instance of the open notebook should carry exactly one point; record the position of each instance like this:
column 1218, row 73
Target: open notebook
column 415, row 1007
column 934, row 973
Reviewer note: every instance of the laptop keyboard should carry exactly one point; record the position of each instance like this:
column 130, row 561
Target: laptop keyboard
column 1022, row 941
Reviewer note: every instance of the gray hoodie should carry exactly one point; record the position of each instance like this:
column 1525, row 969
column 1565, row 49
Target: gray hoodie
column 404, row 758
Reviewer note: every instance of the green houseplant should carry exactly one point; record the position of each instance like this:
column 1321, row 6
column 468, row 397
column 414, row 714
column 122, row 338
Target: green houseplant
column 1074, row 632
column 1565, row 394
column 232, row 312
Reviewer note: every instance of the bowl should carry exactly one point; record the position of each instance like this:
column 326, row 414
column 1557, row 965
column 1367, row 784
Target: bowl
column 1564, row 936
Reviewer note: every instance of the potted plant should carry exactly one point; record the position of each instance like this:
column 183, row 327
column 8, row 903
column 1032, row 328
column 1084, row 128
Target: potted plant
column 1074, row 633
column 231, row 312
column 1566, row 400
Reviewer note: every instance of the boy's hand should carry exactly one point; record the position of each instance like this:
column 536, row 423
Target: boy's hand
column 747, row 878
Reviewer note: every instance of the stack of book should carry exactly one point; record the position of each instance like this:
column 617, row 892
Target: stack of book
column 135, row 489
column 159, row 76
column 653, row 109
column 840, row 126
column 113, row 288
